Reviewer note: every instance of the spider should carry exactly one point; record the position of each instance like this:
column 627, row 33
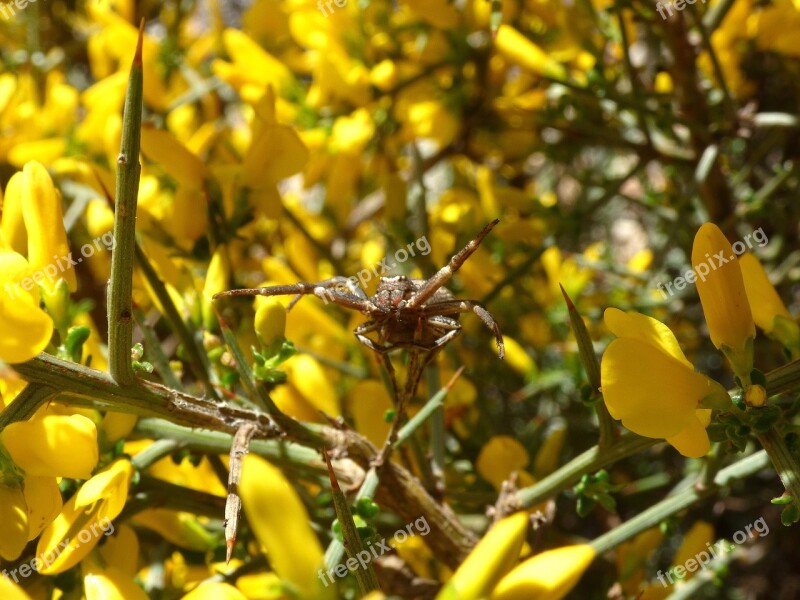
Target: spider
column 418, row 314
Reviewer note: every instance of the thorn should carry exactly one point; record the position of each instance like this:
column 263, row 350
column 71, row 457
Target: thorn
column 331, row 474
column 570, row 305
column 137, row 57
column 229, row 553
column 454, row 378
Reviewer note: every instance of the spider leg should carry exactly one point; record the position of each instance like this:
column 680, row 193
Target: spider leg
column 275, row 290
column 463, row 306
column 298, row 289
column 337, row 282
column 445, row 339
column 369, row 327
column 346, row 299
column 444, row 274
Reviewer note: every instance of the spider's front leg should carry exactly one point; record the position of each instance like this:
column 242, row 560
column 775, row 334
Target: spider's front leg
column 300, row 289
column 463, row 306
column 444, row 274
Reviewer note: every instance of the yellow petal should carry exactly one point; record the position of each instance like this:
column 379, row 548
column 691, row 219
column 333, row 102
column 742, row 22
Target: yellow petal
column 281, row 525
column 274, row 155
column 693, row 441
column 44, row 221
column 721, row 289
column 260, row 586
column 765, row 303
column 637, row 326
column 43, row 499
column 694, row 542
column 26, row 328
column 171, row 155
column 50, row 445
column 11, row 591
column 12, row 224
column 519, row 50
column 179, row 528
column 549, row 452
column 368, row 402
column 652, row 393
column 71, row 537
column 270, row 323
column 547, row 576
column 111, row 584
column 499, row 458
column 121, row 550
column 214, row 591
column 314, row 383
column 110, row 486
column 118, row 425
column 491, row 559
column 13, row 522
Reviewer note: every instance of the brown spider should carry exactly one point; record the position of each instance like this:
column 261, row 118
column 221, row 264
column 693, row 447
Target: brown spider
column 419, row 314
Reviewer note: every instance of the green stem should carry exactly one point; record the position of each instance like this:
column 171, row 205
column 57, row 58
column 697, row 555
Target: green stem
column 198, row 361
column 366, row 577
column 783, row 379
column 335, row 550
column 26, row 404
column 592, row 460
column 155, row 452
column 785, row 463
column 678, row 502
column 120, row 290
column 401, row 492
column 154, row 350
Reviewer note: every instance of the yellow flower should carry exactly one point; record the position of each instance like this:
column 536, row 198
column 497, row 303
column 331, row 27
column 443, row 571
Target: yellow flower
column 215, row 590
column 491, row 559
column 85, row 519
column 11, row 591
column 109, row 583
column 12, row 223
column 13, row 522
column 650, row 386
column 499, row 458
column 549, row 575
column 48, row 248
column 276, row 152
column 270, row 323
column 217, row 280
column 43, row 500
column 179, row 528
column 632, row 558
column 26, row 328
column 252, row 65
column 368, row 402
column 769, row 311
column 547, row 457
column 280, row 523
column 39, row 445
column 722, row 294
column 519, row 50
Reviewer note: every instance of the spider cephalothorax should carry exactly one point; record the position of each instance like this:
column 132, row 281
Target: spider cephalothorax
column 404, row 313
